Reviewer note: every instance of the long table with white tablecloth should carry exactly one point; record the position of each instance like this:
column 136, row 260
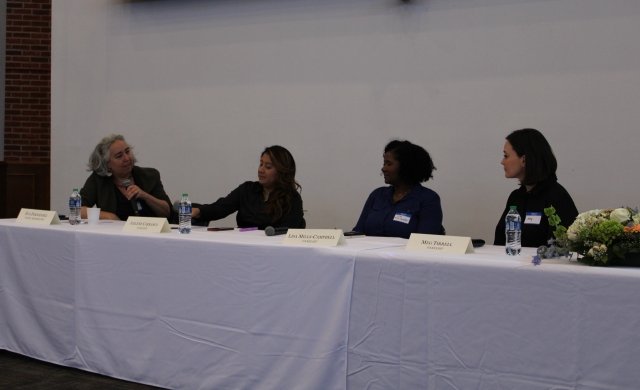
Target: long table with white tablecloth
column 239, row 310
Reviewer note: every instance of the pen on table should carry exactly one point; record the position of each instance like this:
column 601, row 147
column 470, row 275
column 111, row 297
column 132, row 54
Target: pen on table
column 247, row 229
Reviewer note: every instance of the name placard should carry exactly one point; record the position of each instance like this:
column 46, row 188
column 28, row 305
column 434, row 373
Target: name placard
column 440, row 244
column 314, row 237
column 146, row 225
column 38, row 217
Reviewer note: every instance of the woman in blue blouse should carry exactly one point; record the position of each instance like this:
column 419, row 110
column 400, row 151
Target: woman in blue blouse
column 405, row 206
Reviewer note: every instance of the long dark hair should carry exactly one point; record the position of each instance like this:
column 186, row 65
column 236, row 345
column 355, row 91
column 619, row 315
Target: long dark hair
column 281, row 196
column 540, row 163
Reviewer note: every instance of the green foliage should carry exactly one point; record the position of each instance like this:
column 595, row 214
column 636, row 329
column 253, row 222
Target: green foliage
column 603, row 232
column 554, row 219
column 558, row 246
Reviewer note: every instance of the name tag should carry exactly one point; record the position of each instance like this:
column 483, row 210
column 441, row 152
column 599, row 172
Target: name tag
column 146, row 225
column 314, row 237
column 402, row 217
column 533, row 218
column 439, row 244
column 38, row 217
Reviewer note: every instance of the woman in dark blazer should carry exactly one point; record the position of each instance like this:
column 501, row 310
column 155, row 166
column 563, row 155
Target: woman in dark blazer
column 119, row 187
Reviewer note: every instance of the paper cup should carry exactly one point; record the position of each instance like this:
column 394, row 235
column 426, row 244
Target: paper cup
column 93, row 214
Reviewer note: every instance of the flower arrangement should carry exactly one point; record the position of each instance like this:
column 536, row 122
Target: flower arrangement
column 606, row 237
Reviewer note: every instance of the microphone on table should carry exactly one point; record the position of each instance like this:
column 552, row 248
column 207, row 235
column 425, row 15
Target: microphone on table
column 275, row 231
column 134, row 202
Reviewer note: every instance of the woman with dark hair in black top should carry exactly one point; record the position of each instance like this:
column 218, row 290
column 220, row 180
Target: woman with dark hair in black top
column 273, row 200
column 528, row 157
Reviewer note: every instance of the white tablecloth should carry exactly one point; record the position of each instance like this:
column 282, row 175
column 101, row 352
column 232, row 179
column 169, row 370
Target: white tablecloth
column 208, row 310
column 487, row 321
column 231, row 310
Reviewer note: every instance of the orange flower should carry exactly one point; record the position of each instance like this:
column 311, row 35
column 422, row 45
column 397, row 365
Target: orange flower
column 632, row 229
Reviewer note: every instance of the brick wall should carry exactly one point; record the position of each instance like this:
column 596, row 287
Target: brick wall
column 28, row 82
column 24, row 173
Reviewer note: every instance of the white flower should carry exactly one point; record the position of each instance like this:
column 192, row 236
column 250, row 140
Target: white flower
column 576, row 226
column 591, row 213
column 597, row 251
column 620, row 215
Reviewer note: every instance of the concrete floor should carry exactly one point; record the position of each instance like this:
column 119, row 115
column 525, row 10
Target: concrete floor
column 18, row 372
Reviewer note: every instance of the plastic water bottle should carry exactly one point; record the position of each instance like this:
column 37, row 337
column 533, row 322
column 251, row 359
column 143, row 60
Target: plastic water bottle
column 75, row 204
column 184, row 217
column 513, row 231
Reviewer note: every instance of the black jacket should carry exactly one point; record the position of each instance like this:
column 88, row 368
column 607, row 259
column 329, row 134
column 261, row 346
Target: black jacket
column 247, row 200
column 544, row 194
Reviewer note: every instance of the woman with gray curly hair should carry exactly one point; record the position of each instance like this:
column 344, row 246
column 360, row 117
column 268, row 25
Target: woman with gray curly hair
column 119, row 187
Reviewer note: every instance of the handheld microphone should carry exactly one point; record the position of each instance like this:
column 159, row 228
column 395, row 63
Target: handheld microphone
column 134, row 202
column 271, row 231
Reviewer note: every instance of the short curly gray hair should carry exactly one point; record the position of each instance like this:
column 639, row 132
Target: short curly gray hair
column 99, row 159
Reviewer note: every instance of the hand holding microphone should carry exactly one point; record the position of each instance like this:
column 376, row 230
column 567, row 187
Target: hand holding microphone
column 275, row 231
column 126, row 183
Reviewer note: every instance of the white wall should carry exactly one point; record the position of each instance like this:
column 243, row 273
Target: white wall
column 201, row 87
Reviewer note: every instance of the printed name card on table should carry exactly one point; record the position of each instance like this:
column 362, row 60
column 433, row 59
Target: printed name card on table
column 38, row 217
column 146, row 225
column 314, row 237
column 440, row 244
